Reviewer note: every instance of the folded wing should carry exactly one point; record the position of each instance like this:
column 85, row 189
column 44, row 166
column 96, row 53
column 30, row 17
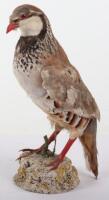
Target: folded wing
column 65, row 87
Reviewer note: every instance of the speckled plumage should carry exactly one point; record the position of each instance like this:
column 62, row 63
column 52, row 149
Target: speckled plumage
column 44, row 71
column 39, row 59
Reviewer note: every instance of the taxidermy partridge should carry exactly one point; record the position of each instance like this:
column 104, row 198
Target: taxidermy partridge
column 46, row 74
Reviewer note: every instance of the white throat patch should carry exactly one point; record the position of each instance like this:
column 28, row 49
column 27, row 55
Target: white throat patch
column 31, row 26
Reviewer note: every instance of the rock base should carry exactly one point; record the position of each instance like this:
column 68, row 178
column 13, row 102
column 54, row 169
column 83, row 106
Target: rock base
column 34, row 175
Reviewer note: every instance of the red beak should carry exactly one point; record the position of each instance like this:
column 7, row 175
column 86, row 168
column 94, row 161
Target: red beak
column 11, row 27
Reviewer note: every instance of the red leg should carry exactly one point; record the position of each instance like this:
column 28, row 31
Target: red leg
column 53, row 136
column 61, row 156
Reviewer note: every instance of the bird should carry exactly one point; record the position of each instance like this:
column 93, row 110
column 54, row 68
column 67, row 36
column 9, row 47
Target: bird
column 44, row 71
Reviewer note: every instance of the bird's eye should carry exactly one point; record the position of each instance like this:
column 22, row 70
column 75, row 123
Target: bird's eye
column 23, row 16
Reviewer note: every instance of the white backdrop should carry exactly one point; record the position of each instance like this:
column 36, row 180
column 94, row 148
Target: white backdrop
column 82, row 28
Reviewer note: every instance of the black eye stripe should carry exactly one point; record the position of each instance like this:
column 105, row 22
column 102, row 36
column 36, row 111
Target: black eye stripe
column 16, row 20
column 32, row 14
column 23, row 16
column 35, row 14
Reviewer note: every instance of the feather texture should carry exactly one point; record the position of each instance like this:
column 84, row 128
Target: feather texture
column 65, row 86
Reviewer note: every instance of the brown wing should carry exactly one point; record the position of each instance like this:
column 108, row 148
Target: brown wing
column 65, row 87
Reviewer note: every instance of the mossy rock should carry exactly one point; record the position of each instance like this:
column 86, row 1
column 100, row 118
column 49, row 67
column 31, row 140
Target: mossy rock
column 34, row 175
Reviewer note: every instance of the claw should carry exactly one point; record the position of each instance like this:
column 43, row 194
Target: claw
column 31, row 150
column 55, row 163
column 28, row 152
column 24, row 150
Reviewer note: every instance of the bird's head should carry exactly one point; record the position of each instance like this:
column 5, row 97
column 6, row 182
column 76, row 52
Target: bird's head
column 29, row 19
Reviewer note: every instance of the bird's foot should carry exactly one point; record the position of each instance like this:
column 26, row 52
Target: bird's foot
column 28, row 152
column 43, row 150
column 55, row 163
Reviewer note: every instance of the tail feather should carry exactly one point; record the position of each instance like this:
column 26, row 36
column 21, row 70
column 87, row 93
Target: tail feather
column 88, row 140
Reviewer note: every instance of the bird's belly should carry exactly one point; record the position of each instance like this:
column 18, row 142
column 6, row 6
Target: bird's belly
column 32, row 84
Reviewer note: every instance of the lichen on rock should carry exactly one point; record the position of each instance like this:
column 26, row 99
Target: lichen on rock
column 34, row 175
